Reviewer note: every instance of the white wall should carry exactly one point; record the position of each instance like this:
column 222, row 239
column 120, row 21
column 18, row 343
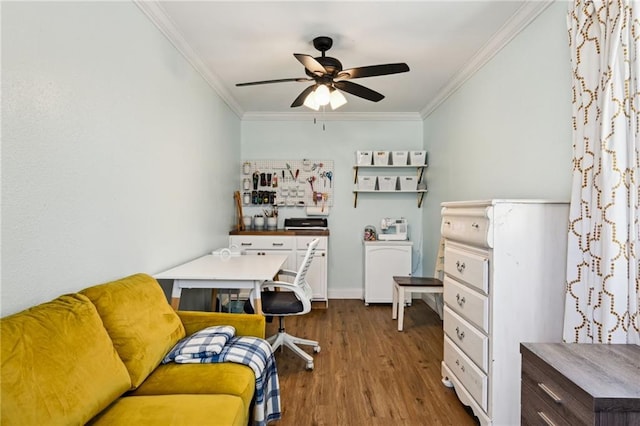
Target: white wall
column 303, row 139
column 507, row 132
column 117, row 157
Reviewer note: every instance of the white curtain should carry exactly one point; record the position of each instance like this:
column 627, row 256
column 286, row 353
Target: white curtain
column 603, row 269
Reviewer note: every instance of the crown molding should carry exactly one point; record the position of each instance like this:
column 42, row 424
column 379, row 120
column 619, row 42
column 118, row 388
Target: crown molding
column 331, row 116
column 518, row 22
column 156, row 13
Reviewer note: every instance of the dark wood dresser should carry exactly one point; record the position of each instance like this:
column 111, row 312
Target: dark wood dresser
column 580, row 384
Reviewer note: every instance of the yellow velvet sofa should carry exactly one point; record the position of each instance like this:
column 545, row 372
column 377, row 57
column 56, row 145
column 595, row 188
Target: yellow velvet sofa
column 94, row 357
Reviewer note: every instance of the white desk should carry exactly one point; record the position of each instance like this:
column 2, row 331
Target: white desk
column 223, row 272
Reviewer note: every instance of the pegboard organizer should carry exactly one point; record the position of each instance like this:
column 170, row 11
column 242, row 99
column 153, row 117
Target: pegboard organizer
column 287, row 183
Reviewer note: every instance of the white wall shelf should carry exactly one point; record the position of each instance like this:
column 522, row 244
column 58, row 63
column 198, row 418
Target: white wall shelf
column 419, row 171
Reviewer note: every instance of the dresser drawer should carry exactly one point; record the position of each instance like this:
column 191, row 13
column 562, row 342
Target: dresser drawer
column 474, row 380
column 468, row 225
column 536, row 411
column 260, row 242
column 554, row 395
column 468, row 338
column 468, row 303
column 469, row 267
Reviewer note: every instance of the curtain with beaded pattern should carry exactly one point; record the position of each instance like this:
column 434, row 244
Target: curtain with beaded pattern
column 603, row 262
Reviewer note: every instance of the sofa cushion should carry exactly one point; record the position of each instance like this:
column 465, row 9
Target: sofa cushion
column 174, row 410
column 222, row 378
column 140, row 321
column 59, row 365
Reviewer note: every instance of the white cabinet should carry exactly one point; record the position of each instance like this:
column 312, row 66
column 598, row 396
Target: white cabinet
column 504, row 263
column 296, row 248
column 383, row 260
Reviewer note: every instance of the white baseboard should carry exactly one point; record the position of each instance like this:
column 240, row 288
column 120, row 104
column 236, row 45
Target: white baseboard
column 346, row 293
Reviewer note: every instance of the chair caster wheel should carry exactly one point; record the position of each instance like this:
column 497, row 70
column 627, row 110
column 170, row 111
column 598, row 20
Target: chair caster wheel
column 316, row 349
column 310, row 366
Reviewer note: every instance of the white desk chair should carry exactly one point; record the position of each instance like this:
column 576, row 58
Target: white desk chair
column 294, row 298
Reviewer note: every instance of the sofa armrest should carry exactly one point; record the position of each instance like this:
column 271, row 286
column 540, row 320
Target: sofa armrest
column 245, row 324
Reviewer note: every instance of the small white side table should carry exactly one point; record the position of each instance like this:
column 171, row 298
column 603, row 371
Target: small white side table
column 412, row 285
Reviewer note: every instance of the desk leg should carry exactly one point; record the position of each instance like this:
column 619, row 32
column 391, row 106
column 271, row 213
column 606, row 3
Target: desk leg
column 176, row 292
column 400, row 307
column 257, row 298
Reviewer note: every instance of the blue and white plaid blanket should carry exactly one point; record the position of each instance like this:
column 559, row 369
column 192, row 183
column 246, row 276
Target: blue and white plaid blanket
column 251, row 351
column 202, row 344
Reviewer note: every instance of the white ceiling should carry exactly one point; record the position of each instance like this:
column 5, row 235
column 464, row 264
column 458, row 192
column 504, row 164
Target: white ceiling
column 443, row 42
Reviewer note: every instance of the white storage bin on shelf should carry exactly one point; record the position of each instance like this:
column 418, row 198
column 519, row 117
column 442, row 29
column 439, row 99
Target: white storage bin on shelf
column 408, row 183
column 418, row 158
column 387, row 183
column 366, row 183
column 364, row 158
column 381, row 158
column 399, row 158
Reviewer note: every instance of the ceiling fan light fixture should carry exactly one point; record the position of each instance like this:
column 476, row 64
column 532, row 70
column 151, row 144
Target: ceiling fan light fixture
column 322, row 95
column 310, row 102
column 337, row 99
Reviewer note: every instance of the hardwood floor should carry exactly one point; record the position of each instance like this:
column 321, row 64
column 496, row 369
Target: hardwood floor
column 367, row 372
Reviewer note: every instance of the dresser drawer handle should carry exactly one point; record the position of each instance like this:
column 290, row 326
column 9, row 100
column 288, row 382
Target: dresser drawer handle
column 446, row 222
column 277, row 244
column 475, row 225
column 551, row 394
column 460, row 266
column 459, row 333
column 246, row 244
column 546, row 419
column 460, row 300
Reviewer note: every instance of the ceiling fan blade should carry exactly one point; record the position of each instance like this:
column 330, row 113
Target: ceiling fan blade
column 373, row 70
column 358, row 90
column 302, row 96
column 282, row 80
column 311, row 64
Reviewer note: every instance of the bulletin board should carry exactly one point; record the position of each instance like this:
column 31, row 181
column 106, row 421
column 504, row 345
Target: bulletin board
column 287, row 183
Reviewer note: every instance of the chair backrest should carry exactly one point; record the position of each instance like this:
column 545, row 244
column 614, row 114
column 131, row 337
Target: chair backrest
column 301, row 277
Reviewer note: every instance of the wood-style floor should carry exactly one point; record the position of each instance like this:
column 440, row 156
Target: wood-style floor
column 367, row 372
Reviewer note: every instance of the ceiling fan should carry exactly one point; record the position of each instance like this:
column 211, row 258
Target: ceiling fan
column 328, row 77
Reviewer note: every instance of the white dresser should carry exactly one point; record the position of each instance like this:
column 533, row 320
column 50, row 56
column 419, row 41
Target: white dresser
column 504, row 263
